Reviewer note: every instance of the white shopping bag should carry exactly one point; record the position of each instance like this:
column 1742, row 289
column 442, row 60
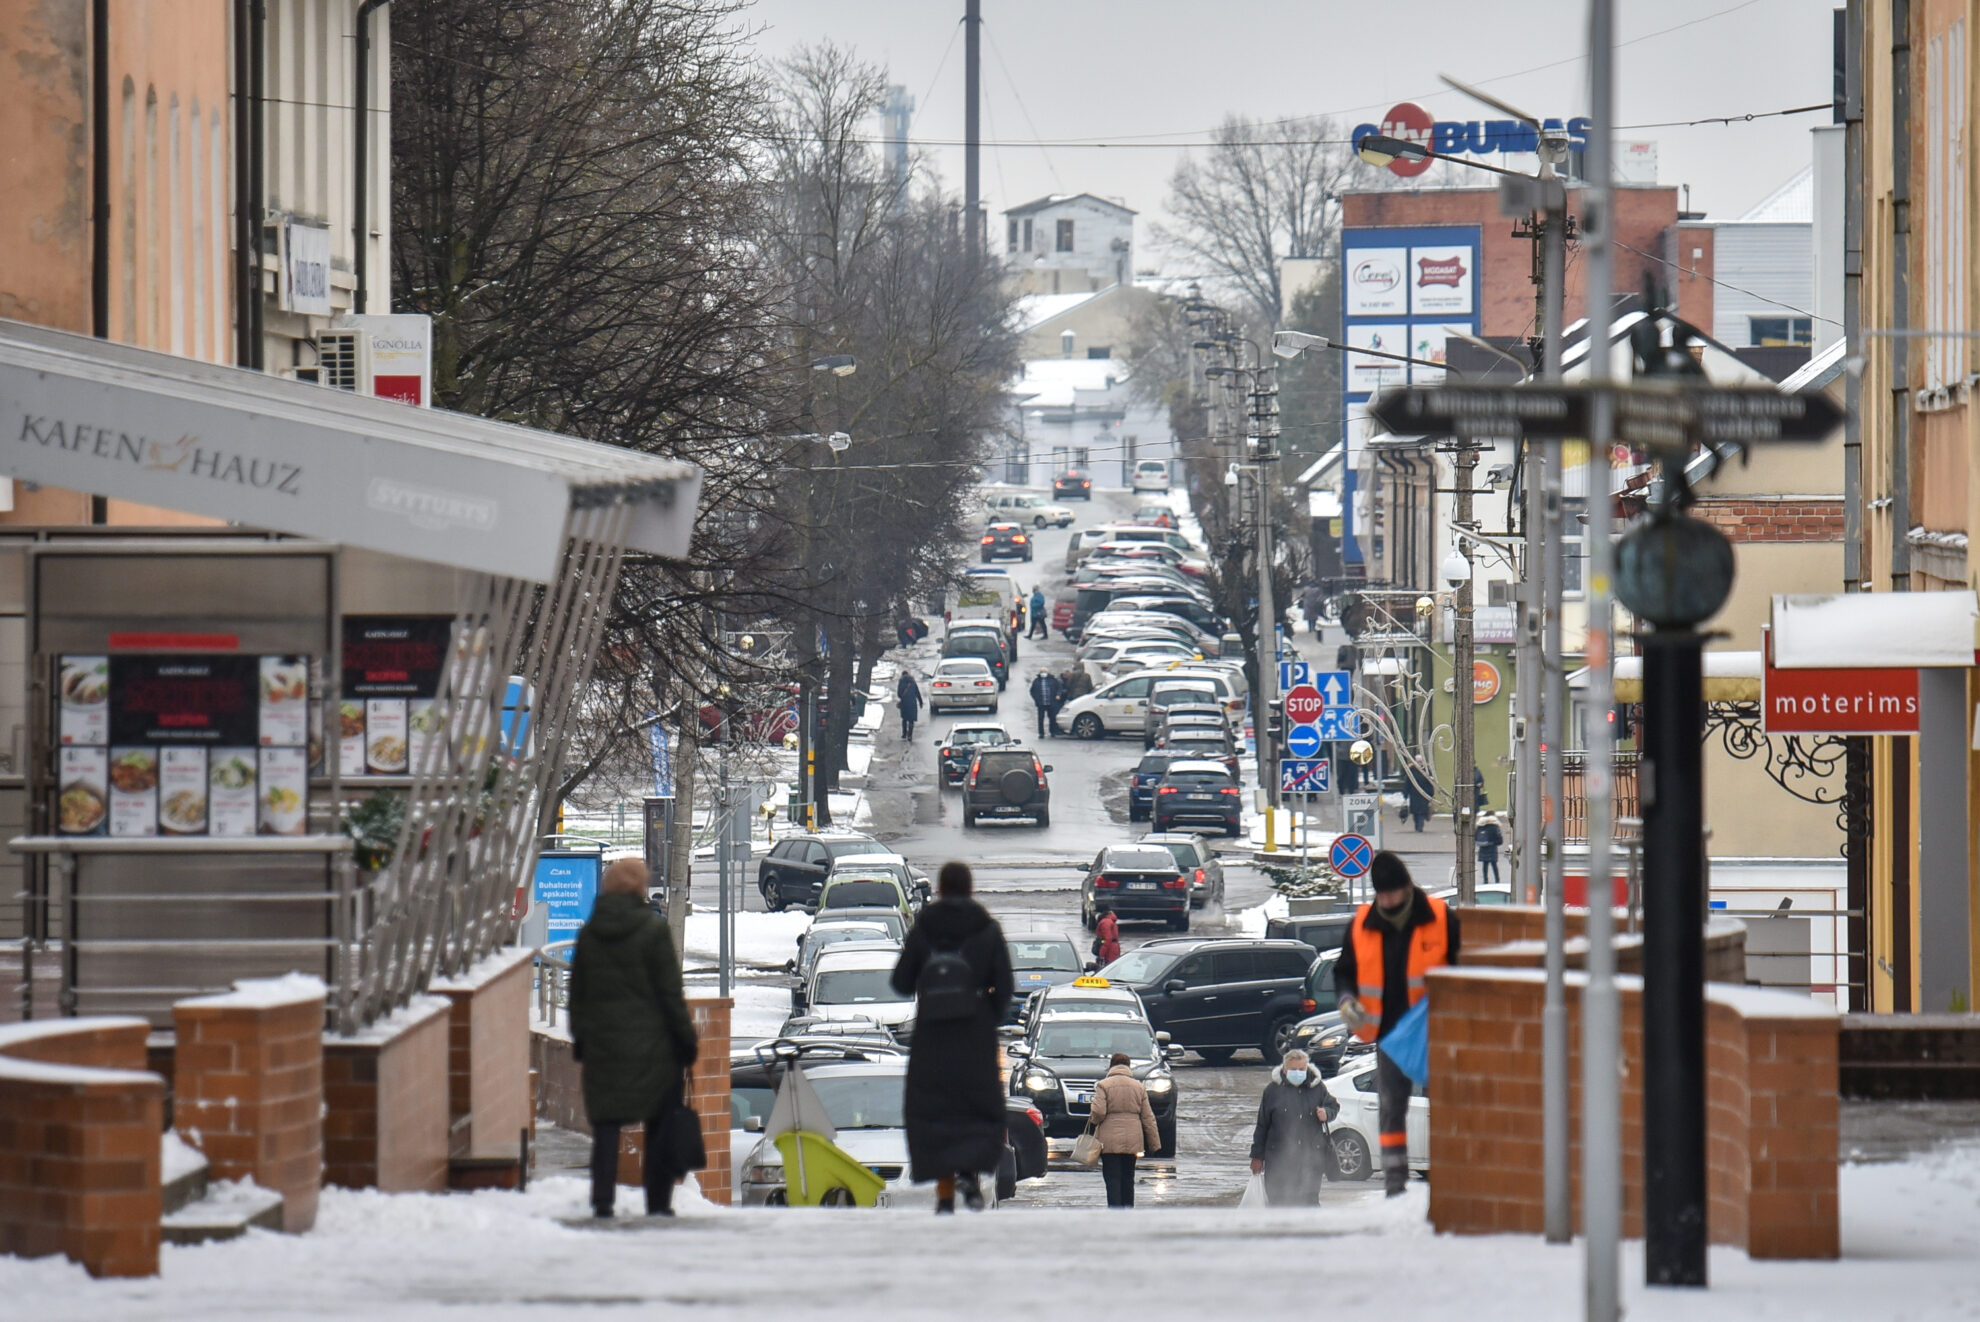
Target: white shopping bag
column 1254, row 1193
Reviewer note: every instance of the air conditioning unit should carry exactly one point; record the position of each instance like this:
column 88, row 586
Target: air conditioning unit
column 343, row 360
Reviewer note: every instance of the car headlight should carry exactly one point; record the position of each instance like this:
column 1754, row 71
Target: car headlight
column 1334, row 1041
column 1303, row 1034
column 763, row 1175
column 1039, row 1081
column 1159, row 1085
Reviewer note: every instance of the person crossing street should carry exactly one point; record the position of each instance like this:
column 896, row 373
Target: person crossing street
column 1037, row 608
column 1391, row 946
column 1045, row 693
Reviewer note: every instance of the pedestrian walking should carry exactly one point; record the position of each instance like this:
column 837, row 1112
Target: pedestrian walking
column 1416, row 800
column 1124, row 1123
column 1478, row 786
column 1038, row 629
column 1490, row 836
column 1290, row 1144
column 1391, row 945
column 630, row 1034
column 1044, row 692
column 1107, row 935
column 957, row 967
column 908, row 694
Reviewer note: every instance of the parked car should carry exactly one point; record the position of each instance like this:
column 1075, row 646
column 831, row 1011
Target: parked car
column 755, row 1071
column 1322, row 931
column 1039, row 962
column 865, row 1102
column 1358, row 1127
column 1199, row 863
column 1005, row 541
column 1007, row 782
column 1057, row 1068
column 1027, row 507
column 862, row 888
column 962, row 681
column 1150, row 475
column 1173, row 689
column 981, row 644
column 793, row 872
column 1219, row 746
column 1142, row 780
column 1155, row 515
column 818, row 939
column 1088, row 995
column 1112, row 660
column 1074, row 483
column 1182, row 602
column 1138, row 882
column 1323, row 1035
column 1115, row 708
column 856, row 983
column 954, row 750
column 1218, row 996
column 895, row 924
column 1202, row 791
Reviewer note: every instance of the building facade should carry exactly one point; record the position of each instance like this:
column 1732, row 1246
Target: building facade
column 1069, row 244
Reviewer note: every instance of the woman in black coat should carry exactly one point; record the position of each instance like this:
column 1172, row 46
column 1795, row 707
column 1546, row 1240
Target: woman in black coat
column 1290, row 1145
column 955, row 1098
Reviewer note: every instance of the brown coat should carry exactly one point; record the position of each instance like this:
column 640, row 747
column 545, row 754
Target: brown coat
column 1122, row 1119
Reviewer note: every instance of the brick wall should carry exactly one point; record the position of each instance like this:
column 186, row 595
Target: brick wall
column 1774, row 518
column 1515, row 936
column 1772, row 1111
column 247, row 1090
column 386, row 1096
column 80, row 1120
column 488, row 1051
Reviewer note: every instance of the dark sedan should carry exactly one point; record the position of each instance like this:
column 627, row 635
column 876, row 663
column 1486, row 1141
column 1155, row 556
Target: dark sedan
column 1006, row 541
column 1059, row 1066
column 1073, row 482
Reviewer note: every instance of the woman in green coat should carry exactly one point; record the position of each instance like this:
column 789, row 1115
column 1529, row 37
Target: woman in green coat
column 630, row 1031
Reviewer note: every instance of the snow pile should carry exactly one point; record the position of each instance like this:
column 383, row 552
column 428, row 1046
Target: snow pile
column 176, row 1157
column 266, row 993
column 763, row 940
column 1251, row 922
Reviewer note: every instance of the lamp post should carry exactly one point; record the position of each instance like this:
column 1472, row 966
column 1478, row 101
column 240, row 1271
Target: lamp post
column 840, row 365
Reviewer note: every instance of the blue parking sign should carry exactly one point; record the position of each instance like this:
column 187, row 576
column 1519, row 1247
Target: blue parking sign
column 1294, row 673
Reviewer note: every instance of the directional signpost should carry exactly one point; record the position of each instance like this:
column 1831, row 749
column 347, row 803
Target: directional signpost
column 1666, row 415
column 1304, row 740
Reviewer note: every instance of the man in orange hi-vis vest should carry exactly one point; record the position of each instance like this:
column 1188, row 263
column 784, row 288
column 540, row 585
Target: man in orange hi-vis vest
column 1392, row 944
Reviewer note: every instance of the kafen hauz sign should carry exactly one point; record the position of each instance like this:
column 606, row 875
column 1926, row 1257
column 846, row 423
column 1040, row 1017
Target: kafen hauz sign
column 1409, row 122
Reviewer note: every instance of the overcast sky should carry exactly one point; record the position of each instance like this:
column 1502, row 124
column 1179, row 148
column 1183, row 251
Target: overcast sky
column 1165, row 71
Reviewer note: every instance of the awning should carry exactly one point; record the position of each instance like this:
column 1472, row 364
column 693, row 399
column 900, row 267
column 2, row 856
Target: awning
column 1729, row 677
column 293, row 457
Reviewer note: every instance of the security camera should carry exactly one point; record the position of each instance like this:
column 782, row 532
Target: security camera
column 1499, row 476
column 1554, row 149
column 1456, row 569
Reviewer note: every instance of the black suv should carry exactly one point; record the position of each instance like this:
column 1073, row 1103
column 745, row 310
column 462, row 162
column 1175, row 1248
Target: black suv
column 1198, row 791
column 1219, row 996
column 793, row 872
column 1007, row 782
column 1006, row 541
column 1135, row 881
column 1322, row 931
column 1057, row 1067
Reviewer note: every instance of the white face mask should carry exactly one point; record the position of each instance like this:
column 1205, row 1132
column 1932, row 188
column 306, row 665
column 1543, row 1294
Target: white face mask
column 1295, row 1077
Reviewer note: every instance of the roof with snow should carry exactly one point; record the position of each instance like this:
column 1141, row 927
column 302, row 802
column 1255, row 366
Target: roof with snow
column 1059, row 199
column 1034, row 310
column 1792, row 201
column 1058, row 382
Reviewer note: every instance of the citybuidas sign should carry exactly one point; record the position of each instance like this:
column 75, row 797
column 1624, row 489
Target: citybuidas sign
column 1409, row 122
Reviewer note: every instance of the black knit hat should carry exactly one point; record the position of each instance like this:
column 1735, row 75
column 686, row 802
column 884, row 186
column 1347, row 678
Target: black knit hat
column 1389, row 873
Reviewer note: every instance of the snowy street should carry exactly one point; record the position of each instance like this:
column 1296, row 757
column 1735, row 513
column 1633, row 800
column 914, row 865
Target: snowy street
column 1908, row 1234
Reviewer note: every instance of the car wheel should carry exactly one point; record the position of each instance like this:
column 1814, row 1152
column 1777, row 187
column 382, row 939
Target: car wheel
column 773, row 899
column 1086, row 918
column 1215, row 1055
column 1351, row 1155
column 1160, row 825
column 1278, row 1039
column 1087, row 726
column 776, row 1198
column 837, row 1196
column 1179, row 922
column 1007, row 1174
column 1134, row 814
column 1232, row 830
column 1165, row 1130
column 1044, row 817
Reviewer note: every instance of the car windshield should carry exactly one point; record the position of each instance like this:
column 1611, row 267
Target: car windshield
column 861, row 894
column 1154, row 763
column 841, row 848
column 862, row 1101
column 837, row 932
column 1092, row 1005
column 1145, row 860
column 1096, row 1040
column 1198, row 778
column 1028, row 502
column 891, row 919
column 978, row 737
column 1182, row 852
column 855, row 987
column 1138, row 966
column 1056, row 955
column 996, row 764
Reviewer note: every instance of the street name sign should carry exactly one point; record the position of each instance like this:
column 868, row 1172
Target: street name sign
column 1659, row 416
column 1305, row 775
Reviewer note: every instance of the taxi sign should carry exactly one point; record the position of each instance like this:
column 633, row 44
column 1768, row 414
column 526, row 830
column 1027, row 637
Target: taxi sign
column 1090, row 981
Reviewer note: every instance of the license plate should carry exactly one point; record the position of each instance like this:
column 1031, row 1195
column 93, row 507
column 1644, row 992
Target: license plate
column 1203, row 797
column 1143, row 885
column 1084, row 1096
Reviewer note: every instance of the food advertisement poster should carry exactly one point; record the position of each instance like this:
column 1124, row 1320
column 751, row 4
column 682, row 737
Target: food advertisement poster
column 392, row 669
column 82, row 803
column 284, row 791
column 84, row 683
column 182, row 791
column 133, row 791
column 231, row 790
column 184, row 700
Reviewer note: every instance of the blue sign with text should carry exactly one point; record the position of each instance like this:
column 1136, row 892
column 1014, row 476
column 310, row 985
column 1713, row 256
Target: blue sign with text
column 567, row 886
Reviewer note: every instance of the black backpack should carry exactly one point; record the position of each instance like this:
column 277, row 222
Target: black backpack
column 948, row 988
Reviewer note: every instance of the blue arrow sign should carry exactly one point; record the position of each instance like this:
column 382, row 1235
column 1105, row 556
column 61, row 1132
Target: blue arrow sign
column 1294, row 673
column 1303, row 740
column 1335, row 687
column 1304, row 775
column 1351, row 855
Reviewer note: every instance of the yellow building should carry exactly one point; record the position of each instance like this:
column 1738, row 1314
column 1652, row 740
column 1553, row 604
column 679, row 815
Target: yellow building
column 1918, row 429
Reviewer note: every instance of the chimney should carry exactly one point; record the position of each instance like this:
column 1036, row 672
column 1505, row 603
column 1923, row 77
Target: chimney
column 1066, row 339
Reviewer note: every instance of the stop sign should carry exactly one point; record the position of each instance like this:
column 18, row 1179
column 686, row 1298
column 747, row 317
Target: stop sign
column 1304, row 704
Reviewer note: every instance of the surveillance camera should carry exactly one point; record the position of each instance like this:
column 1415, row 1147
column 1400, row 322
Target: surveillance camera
column 1554, row 149
column 1499, row 476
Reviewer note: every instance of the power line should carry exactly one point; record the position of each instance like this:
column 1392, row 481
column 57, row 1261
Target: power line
column 1022, row 108
column 1724, row 284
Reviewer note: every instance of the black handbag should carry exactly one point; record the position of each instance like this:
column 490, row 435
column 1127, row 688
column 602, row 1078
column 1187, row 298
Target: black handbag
column 680, row 1139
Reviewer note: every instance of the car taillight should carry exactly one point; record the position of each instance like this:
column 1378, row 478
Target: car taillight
column 1174, row 885
column 1106, row 884
column 1308, row 1007
column 1199, row 876
column 1038, row 770
column 1230, row 789
column 1018, row 540
column 972, row 775
column 1166, row 789
column 941, row 683
column 988, row 540
column 1037, row 1116
column 1086, row 484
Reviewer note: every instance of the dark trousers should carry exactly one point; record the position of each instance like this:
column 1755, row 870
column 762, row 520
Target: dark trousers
column 658, row 1176
column 1392, row 1090
column 1488, row 870
column 1117, row 1169
column 1052, row 717
column 1037, row 629
column 1042, row 715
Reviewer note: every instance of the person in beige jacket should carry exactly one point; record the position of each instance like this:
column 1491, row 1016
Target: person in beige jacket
column 1124, row 1123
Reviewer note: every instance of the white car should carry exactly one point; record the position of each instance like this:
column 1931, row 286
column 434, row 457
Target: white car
column 858, row 984
column 1117, row 708
column 1130, row 657
column 1358, row 1128
column 1038, row 511
column 962, row 681
column 865, row 1101
column 1150, row 475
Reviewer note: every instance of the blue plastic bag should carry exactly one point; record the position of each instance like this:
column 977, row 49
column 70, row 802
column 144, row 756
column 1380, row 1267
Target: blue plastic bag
column 1407, row 1045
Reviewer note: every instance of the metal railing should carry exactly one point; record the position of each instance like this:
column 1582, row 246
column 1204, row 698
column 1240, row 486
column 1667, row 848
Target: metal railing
column 553, row 981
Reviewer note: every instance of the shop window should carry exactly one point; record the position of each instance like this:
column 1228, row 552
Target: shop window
column 1781, row 330
column 1065, row 236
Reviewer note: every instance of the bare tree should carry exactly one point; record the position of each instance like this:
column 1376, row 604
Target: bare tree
column 1263, row 193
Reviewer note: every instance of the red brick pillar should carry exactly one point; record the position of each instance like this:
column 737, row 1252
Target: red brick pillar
column 488, row 1055
column 386, row 1096
column 248, row 1087
column 80, row 1120
column 707, row 1094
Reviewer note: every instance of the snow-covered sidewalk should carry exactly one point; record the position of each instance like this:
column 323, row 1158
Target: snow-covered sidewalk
column 1909, row 1233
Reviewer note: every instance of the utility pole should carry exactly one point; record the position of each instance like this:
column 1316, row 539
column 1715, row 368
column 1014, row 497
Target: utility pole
column 972, row 128
column 1464, row 715
column 1601, row 1008
column 724, row 848
column 1262, row 442
column 1554, row 1015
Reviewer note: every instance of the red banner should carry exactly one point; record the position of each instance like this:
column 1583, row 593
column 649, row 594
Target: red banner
column 1837, row 701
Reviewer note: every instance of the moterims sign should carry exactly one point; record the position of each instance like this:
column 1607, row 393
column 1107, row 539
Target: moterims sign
column 1838, row 701
column 1409, row 122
